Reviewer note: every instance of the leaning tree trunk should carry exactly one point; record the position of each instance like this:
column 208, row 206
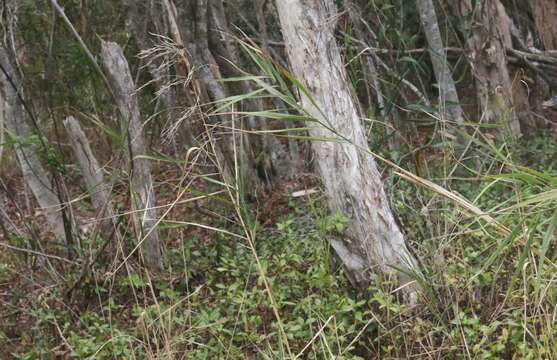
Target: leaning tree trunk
column 35, row 175
column 488, row 39
column 92, row 174
column 449, row 103
column 120, row 78
column 372, row 242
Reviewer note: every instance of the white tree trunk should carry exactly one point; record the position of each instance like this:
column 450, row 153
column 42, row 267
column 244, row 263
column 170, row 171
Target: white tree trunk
column 449, row 104
column 35, row 175
column 372, row 241
column 91, row 171
column 120, row 78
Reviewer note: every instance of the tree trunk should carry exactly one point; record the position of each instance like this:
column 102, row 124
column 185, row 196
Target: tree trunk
column 144, row 19
column 91, row 171
column 372, row 80
column 372, row 241
column 545, row 16
column 489, row 38
column 35, row 175
column 449, row 104
column 276, row 160
column 2, row 116
column 191, row 32
column 119, row 75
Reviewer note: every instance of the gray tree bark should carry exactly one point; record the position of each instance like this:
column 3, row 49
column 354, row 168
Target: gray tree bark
column 146, row 18
column 90, row 169
column 35, row 175
column 372, row 241
column 294, row 163
column 119, row 76
column 92, row 173
column 2, row 116
column 545, row 16
column 449, row 103
column 372, row 78
column 276, row 160
column 191, row 33
column 488, row 40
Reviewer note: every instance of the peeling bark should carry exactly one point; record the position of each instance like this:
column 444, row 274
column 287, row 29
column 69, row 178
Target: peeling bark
column 372, row 241
column 118, row 74
column 91, row 171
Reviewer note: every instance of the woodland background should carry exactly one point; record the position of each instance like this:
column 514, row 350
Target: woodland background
column 210, row 179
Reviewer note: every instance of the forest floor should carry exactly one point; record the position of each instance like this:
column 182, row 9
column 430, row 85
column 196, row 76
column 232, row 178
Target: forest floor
column 483, row 294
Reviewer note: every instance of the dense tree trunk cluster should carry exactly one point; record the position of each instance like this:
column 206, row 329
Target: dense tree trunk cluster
column 196, row 62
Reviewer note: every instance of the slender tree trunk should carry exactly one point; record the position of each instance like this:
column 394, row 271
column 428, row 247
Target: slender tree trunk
column 119, row 75
column 145, row 19
column 286, row 161
column 189, row 28
column 35, row 175
column 2, row 117
column 372, row 79
column 487, row 42
column 449, row 103
column 372, row 241
column 276, row 160
column 545, row 18
column 92, row 173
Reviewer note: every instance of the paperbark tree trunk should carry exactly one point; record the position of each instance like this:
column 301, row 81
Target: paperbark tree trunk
column 372, row 241
column 449, row 104
column 36, row 176
column 92, row 173
column 120, row 78
column 487, row 39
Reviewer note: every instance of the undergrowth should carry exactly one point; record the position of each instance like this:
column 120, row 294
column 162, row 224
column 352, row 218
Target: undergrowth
column 483, row 294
